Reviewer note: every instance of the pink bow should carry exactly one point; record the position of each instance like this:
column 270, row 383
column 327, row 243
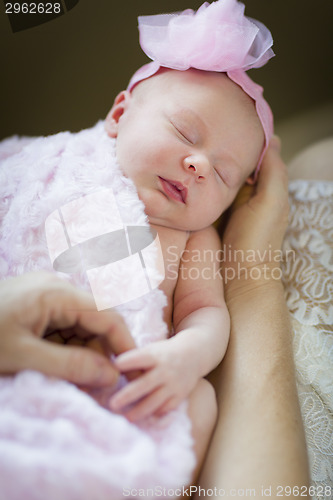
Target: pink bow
column 218, row 37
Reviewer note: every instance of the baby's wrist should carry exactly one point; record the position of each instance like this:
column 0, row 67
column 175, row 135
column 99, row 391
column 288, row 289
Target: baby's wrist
column 187, row 352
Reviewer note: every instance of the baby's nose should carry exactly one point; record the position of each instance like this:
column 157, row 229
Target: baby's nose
column 199, row 165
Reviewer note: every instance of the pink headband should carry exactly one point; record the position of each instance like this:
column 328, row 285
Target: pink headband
column 218, row 37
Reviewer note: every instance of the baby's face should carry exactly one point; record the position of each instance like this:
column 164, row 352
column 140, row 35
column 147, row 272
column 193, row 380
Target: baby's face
column 188, row 140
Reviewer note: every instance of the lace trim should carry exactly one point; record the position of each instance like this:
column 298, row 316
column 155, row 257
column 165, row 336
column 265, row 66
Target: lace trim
column 308, row 271
column 308, row 245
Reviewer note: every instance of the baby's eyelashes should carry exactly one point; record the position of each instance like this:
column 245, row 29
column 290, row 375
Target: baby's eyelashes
column 229, row 177
column 218, row 174
column 185, row 133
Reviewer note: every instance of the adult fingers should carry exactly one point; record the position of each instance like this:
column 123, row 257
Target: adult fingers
column 260, row 222
column 273, row 178
column 78, row 365
column 243, row 195
column 65, row 306
column 32, row 303
column 112, row 327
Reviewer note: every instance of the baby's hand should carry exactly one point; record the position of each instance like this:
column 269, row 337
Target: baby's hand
column 168, row 378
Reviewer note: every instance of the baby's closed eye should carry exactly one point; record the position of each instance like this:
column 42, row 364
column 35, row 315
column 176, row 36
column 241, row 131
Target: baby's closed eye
column 229, row 174
column 185, row 132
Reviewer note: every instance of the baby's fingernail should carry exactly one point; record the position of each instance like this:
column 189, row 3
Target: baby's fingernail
column 107, row 375
column 113, row 405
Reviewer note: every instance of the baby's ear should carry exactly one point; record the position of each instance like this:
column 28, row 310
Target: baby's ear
column 120, row 105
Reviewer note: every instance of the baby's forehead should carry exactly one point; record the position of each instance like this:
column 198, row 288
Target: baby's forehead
column 173, row 80
column 201, row 87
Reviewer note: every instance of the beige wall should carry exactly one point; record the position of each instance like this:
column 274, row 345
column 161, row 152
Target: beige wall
column 63, row 75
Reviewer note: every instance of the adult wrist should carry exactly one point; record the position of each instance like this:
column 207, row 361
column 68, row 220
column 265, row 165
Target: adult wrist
column 240, row 279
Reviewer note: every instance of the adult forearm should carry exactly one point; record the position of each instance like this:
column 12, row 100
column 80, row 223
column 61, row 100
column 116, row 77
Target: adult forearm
column 259, row 440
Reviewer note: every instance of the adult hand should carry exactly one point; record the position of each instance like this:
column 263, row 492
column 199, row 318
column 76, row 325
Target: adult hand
column 254, row 232
column 256, row 384
column 34, row 302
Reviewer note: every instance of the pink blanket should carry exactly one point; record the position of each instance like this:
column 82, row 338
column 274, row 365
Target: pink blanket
column 56, row 442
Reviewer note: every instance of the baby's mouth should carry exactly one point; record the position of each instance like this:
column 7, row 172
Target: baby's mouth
column 174, row 189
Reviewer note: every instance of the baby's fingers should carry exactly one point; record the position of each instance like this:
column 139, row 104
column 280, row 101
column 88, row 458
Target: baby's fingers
column 148, row 406
column 135, row 390
column 169, row 405
column 136, row 359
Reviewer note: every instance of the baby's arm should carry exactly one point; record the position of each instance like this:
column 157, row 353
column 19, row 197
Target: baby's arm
column 200, row 318
column 172, row 368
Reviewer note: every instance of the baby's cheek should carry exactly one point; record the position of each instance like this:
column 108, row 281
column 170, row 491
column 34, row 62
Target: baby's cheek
column 160, row 159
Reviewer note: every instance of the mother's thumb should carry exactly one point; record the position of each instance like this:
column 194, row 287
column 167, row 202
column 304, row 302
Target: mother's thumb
column 273, row 177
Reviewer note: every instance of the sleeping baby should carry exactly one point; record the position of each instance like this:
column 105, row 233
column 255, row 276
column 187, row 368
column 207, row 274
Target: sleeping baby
column 188, row 139
column 188, row 132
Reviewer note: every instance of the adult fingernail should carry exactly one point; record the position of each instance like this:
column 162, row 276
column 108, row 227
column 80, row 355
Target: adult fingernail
column 275, row 143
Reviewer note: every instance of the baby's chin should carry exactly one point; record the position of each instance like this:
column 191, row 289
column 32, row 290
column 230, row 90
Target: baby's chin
column 178, row 226
column 158, row 213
